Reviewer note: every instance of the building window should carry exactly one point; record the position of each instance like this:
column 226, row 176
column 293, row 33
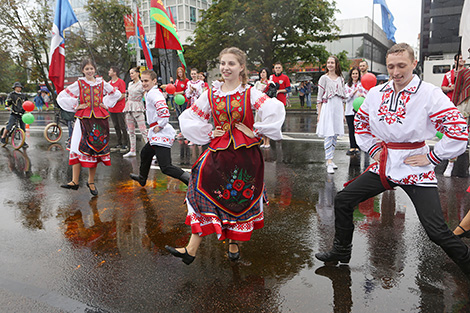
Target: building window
column 192, row 14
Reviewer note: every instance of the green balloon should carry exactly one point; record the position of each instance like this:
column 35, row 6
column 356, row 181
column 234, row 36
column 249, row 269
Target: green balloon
column 27, row 118
column 179, row 99
column 439, row 135
column 357, row 103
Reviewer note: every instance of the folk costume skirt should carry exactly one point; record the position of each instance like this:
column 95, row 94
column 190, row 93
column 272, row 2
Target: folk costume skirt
column 90, row 142
column 226, row 192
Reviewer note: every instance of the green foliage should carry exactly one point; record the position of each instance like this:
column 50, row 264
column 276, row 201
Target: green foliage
column 268, row 31
column 344, row 62
column 25, row 44
column 108, row 45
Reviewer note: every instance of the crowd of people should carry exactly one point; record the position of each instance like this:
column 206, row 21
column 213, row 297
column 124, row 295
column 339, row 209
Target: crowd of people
column 226, row 192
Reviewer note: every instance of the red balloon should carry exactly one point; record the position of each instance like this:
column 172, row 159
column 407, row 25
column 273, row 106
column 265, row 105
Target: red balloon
column 170, row 89
column 368, row 81
column 28, row 106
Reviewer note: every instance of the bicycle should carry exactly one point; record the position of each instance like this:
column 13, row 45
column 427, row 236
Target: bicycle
column 16, row 134
column 53, row 131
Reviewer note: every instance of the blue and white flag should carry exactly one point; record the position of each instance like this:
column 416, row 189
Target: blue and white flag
column 387, row 20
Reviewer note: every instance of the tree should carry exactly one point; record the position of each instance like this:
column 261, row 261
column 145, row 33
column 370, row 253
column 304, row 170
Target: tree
column 108, row 43
column 25, row 31
column 268, row 31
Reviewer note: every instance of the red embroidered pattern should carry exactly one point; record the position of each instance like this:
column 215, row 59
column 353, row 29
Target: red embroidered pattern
column 70, row 93
column 361, row 123
column 261, row 100
column 414, row 179
column 450, row 122
column 391, row 117
column 200, row 112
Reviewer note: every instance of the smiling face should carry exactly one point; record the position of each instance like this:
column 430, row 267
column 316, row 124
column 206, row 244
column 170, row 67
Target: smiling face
column 230, row 68
column 179, row 74
column 331, row 64
column 194, row 75
column 400, row 68
column 89, row 71
column 355, row 75
column 363, row 67
column 133, row 74
column 263, row 74
column 147, row 82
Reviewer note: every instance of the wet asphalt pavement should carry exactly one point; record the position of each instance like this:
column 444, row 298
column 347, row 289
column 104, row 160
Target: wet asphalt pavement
column 66, row 251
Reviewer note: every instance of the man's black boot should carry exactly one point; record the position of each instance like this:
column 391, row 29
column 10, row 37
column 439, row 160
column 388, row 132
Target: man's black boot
column 342, row 247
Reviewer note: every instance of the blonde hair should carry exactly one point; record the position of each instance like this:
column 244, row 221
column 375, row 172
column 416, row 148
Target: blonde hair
column 400, row 48
column 241, row 58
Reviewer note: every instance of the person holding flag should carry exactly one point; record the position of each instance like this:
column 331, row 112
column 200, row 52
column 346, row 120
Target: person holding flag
column 64, row 18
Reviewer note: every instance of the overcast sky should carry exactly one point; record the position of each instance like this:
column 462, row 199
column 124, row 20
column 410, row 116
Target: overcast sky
column 407, row 14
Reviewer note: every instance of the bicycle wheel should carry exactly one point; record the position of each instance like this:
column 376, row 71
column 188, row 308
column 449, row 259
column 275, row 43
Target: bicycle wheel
column 53, row 132
column 6, row 137
column 17, row 138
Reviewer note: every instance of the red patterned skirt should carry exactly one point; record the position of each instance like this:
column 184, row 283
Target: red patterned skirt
column 93, row 147
column 226, row 193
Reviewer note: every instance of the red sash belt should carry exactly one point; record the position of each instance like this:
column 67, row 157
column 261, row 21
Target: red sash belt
column 384, row 156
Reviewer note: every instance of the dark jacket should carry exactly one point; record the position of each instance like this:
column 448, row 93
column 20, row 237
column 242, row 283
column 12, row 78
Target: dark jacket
column 15, row 101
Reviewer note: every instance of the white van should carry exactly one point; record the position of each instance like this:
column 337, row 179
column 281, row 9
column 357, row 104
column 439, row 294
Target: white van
column 435, row 67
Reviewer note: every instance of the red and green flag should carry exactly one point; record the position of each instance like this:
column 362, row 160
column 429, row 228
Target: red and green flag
column 166, row 33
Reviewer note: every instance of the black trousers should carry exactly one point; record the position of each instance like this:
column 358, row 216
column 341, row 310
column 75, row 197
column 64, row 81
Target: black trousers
column 427, row 205
column 352, row 138
column 164, row 161
column 119, row 123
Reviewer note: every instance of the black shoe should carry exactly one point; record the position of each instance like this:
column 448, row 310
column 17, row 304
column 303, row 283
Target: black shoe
column 187, row 259
column 70, row 185
column 233, row 256
column 25, row 145
column 351, row 152
column 138, row 179
column 94, row 192
column 465, row 234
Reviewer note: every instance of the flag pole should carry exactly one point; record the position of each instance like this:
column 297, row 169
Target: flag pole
column 87, row 44
column 372, row 41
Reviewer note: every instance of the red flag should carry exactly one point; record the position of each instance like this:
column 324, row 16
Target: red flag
column 143, row 42
column 129, row 25
column 166, row 34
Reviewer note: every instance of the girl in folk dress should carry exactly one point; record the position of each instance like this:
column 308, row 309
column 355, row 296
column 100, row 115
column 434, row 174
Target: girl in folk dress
column 135, row 110
column 194, row 87
column 225, row 193
column 90, row 137
column 330, row 99
column 353, row 89
column 262, row 85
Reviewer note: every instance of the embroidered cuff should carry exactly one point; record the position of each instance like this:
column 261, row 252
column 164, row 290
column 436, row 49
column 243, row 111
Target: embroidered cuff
column 433, row 158
column 256, row 133
column 153, row 124
column 211, row 135
column 374, row 150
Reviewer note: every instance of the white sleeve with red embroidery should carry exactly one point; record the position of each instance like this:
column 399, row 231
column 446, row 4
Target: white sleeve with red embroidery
column 194, row 121
column 271, row 113
column 447, row 119
column 364, row 137
column 68, row 98
column 112, row 95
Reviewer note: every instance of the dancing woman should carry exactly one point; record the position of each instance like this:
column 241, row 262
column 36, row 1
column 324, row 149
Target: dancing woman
column 89, row 98
column 225, row 193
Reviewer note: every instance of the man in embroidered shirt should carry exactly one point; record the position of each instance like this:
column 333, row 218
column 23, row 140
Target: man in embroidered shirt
column 283, row 81
column 392, row 125
column 161, row 134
